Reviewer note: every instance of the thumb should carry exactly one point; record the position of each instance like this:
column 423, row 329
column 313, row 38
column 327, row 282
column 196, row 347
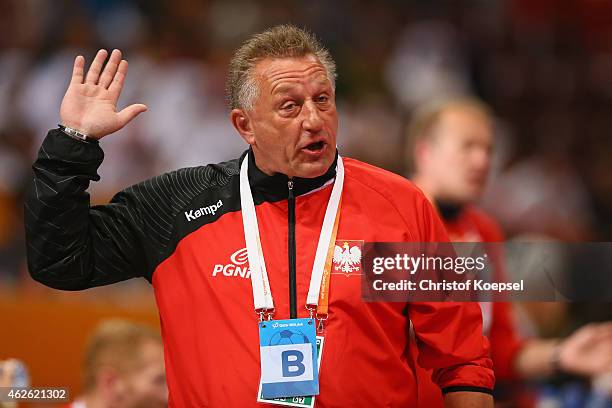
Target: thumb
column 130, row 112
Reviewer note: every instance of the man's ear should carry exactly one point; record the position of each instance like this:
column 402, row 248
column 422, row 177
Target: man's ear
column 106, row 383
column 422, row 150
column 243, row 124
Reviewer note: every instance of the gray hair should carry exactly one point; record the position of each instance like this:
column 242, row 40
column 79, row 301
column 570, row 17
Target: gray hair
column 282, row 41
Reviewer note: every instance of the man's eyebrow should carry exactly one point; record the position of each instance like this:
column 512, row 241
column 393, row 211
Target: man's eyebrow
column 325, row 85
column 286, row 89
column 280, row 89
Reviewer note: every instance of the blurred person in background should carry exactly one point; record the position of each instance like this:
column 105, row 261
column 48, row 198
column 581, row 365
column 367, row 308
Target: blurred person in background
column 8, row 370
column 449, row 145
column 8, row 378
column 123, row 367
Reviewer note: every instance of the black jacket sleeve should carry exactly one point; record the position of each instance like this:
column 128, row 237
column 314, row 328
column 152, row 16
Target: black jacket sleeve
column 73, row 246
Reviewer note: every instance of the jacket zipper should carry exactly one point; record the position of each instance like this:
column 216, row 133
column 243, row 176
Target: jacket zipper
column 292, row 267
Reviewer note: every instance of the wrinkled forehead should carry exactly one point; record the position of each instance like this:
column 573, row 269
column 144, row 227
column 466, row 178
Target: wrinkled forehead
column 277, row 75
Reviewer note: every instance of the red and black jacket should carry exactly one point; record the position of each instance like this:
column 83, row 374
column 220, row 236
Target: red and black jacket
column 183, row 232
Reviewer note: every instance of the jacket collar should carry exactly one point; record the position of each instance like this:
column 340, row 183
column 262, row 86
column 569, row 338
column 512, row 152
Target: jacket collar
column 275, row 187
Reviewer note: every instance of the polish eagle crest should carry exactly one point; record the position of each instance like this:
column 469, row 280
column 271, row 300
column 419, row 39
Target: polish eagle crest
column 347, row 258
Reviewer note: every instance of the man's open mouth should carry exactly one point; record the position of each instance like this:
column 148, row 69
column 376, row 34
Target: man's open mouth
column 315, row 147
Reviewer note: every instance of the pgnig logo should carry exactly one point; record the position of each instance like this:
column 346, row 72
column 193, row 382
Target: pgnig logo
column 237, row 267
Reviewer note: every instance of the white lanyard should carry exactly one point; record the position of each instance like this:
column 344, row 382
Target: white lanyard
column 262, row 296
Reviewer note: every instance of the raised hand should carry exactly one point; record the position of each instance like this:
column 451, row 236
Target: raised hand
column 90, row 106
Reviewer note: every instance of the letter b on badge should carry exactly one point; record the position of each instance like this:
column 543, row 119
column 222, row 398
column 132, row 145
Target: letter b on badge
column 287, row 363
column 292, row 361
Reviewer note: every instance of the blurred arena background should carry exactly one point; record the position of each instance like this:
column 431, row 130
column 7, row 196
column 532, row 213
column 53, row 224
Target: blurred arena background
column 545, row 66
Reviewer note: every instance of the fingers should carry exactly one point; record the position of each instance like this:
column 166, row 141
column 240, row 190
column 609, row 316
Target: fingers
column 77, row 70
column 604, row 335
column 130, row 112
column 96, row 66
column 597, row 331
column 110, row 69
column 605, row 327
column 117, row 84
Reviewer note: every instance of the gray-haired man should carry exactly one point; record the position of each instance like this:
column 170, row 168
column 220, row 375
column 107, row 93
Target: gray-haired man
column 278, row 208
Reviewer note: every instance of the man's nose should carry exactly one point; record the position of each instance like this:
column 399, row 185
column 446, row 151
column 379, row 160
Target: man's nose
column 312, row 121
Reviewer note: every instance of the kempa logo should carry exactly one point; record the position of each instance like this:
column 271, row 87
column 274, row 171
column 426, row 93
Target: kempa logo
column 237, row 268
column 210, row 210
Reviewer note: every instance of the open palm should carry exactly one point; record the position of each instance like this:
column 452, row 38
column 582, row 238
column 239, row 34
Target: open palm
column 90, row 103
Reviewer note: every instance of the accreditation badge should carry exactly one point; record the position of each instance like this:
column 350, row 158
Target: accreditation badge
column 288, row 354
column 305, row 401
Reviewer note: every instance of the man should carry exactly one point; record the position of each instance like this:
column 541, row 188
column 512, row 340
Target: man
column 449, row 150
column 186, row 233
column 124, row 368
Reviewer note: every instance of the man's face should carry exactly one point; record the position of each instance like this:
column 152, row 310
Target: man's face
column 458, row 155
column 293, row 122
column 144, row 386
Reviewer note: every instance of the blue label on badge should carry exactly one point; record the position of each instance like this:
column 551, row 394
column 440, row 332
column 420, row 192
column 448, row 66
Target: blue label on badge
column 288, row 352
